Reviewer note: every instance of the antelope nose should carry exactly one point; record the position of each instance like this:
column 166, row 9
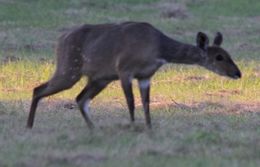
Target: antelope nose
column 238, row 74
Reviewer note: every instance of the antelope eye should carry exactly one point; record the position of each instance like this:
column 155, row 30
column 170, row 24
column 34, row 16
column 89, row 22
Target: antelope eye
column 219, row 58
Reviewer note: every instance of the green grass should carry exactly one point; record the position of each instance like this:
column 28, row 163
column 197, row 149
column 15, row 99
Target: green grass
column 184, row 84
column 215, row 121
column 219, row 7
column 61, row 138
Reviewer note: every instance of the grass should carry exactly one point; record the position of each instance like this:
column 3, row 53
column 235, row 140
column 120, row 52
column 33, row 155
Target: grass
column 183, row 137
column 199, row 118
column 184, row 84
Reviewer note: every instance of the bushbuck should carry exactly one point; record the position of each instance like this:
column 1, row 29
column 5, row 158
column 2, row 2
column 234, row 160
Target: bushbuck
column 125, row 51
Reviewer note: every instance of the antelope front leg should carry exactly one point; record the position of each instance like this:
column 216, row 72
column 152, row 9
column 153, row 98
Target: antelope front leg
column 126, row 83
column 144, row 86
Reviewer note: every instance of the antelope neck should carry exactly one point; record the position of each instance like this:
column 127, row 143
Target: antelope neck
column 180, row 53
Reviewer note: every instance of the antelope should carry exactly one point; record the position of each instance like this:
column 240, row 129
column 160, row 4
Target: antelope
column 125, row 51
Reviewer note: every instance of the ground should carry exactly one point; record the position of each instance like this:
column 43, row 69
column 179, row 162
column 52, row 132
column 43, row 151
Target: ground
column 198, row 118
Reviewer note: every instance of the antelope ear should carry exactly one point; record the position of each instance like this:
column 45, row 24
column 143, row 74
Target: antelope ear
column 218, row 39
column 202, row 41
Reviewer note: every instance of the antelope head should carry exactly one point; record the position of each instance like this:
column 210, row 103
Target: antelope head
column 215, row 58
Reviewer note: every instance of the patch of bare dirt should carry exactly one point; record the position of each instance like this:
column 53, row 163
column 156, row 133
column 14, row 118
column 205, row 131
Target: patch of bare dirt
column 115, row 109
column 244, row 107
column 229, row 108
column 215, row 94
column 224, row 93
column 173, row 10
column 234, row 107
column 257, row 71
column 230, row 92
column 162, row 102
column 195, row 78
column 207, row 104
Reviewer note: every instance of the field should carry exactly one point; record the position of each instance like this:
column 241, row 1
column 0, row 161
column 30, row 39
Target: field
column 199, row 118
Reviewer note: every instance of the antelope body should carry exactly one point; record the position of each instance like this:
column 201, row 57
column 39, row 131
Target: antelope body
column 125, row 51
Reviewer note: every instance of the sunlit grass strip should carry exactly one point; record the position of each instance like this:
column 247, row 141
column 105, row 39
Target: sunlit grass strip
column 182, row 83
